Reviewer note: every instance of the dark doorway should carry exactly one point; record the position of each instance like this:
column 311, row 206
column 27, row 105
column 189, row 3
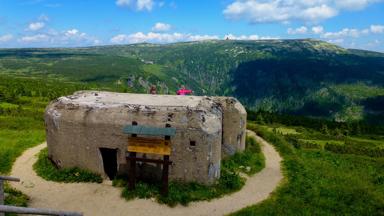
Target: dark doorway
column 109, row 161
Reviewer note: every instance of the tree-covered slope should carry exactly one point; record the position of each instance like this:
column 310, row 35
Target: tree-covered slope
column 308, row 77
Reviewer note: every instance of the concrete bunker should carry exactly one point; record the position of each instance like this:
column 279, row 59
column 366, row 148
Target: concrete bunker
column 85, row 130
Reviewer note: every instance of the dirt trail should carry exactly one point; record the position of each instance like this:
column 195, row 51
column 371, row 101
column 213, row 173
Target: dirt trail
column 103, row 199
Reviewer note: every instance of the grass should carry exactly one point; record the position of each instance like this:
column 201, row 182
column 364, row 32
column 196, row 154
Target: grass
column 15, row 197
column 45, row 169
column 319, row 182
column 319, row 143
column 250, row 161
column 282, row 130
column 14, row 142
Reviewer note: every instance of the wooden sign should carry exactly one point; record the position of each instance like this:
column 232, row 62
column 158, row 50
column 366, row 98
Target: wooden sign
column 149, row 145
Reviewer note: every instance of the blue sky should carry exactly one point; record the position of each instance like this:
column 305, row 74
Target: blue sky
column 71, row 23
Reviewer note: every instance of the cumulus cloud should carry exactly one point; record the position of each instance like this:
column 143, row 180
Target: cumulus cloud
column 6, row 38
column 137, row 4
column 300, row 30
column 346, row 35
column 35, row 38
column 377, row 29
column 161, row 27
column 70, row 37
column 74, row 33
column 247, row 37
column 317, row 29
column 336, row 41
column 155, row 37
column 346, row 32
column 34, row 26
column 354, row 4
column 353, row 32
column 259, row 11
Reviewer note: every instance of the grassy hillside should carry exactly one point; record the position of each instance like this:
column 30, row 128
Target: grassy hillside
column 308, row 77
column 321, row 181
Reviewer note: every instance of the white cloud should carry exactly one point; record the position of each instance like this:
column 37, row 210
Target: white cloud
column 71, row 37
column 348, row 36
column 74, row 33
column 354, row 33
column 153, row 37
column 300, row 30
column 36, row 26
column 35, row 38
column 346, row 32
column 137, row 4
column 202, row 37
column 259, row 11
column 144, row 5
column 336, row 41
column 377, row 29
column 6, row 38
column 247, row 37
column 354, row 4
column 161, row 27
column 317, row 29
column 320, row 12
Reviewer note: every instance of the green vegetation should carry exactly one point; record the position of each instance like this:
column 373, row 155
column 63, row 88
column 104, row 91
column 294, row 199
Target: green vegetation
column 358, row 91
column 14, row 142
column 15, row 197
column 321, row 182
column 47, row 170
column 22, row 104
column 306, row 77
column 250, row 161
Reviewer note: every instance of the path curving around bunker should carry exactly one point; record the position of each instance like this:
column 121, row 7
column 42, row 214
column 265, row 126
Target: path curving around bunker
column 103, row 199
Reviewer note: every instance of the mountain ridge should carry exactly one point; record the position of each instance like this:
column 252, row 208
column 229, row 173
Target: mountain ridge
column 273, row 75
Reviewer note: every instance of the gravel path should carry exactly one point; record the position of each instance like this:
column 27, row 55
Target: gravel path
column 103, row 199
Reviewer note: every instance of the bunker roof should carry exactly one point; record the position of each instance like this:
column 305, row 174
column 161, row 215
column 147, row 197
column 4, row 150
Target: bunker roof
column 110, row 99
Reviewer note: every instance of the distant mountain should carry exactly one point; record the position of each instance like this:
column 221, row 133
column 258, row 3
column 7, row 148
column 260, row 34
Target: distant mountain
column 308, row 76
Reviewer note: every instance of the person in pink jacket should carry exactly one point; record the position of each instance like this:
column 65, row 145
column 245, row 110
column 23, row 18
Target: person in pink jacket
column 183, row 91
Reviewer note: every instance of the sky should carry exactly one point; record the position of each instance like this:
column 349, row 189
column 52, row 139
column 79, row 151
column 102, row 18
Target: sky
column 76, row 23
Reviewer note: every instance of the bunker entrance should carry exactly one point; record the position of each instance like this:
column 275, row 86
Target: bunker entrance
column 109, row 162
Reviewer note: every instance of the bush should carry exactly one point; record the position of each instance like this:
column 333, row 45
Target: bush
column 350, row 149
column 46, row 169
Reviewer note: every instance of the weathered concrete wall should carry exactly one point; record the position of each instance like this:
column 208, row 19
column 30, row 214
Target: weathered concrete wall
column 78, row 125
column 234, row 125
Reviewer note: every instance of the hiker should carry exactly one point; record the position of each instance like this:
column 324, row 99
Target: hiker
column 153, row 90
column 183, row 91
